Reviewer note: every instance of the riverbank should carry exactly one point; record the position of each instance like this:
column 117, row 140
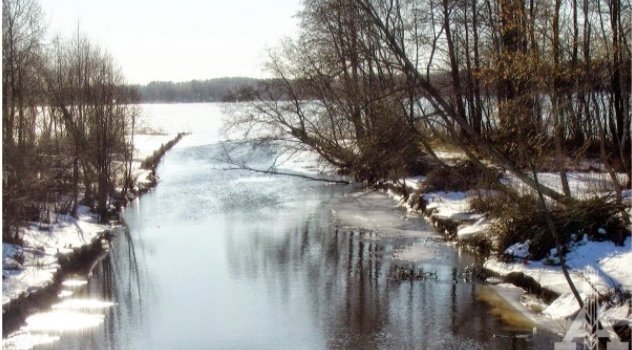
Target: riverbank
column 544, row 295
column 61, row 249
column 32, row 272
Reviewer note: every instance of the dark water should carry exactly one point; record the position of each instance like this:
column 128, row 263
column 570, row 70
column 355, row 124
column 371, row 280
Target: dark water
column 235, row 260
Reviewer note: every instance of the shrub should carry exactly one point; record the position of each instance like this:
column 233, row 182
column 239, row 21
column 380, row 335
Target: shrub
column 11, row 234
column 523, row 218
column 492, row 202
column 463, row 176
column 151, row 162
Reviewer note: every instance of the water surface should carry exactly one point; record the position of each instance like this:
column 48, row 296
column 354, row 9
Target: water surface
column 218, row 259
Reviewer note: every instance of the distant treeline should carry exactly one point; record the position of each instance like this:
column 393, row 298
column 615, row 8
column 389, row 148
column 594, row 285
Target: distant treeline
column 233, row 89
column 212, row 90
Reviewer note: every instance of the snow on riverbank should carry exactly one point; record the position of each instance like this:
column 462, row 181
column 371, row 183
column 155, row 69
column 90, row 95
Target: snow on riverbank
column 612, row 265
column 594, row 266
column 453, row 206
column 582, row 184
column 32, row 267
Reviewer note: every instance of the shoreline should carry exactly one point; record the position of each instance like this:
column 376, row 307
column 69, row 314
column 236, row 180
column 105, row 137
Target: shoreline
column 523, row 285
column 15, row 312
column 448, row 229
column 16, row 306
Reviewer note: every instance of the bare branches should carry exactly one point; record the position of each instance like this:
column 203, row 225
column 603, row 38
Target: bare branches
column 273, row 169
column 65, row 118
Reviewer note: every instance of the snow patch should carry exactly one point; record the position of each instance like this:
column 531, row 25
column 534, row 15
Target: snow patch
column 42, row 244
column 564, row 306
column 477, row 229
column 448, row 205
column 518, row 250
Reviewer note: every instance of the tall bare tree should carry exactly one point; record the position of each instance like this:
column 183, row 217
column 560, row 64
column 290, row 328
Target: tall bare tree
column 22, row 32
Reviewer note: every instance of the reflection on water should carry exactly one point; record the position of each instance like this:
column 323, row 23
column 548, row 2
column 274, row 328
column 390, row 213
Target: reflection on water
column 74, row 282
column 86, row 307
column 217, row 260
column 62, row 321
column 65, row 294
column 70, row 304
column 75, row 315
column 26, row 340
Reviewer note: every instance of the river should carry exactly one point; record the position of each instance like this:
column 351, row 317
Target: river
column 217, row 259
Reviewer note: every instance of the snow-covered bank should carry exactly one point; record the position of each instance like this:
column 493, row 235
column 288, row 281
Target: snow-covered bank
column 27, row 269
column 594, row 265
column 611, row 266
column 30, row 268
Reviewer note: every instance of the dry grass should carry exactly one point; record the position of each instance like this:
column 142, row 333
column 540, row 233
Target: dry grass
column 152, row 161
column 463, row 176
column 521, row 218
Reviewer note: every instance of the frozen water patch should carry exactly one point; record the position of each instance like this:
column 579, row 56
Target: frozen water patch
column 430, row 248
column 417, row 252
column 253, row 179
column 374, row 211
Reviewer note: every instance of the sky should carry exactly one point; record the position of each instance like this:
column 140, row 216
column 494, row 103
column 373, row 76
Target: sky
column 179, row 40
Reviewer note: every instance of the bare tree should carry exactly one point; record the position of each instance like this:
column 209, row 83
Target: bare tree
column 22, row 32
column 88, row 94
column 335, row 95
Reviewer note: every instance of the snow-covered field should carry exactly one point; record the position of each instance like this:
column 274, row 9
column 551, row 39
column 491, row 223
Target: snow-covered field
column 581, row 184
column 145, row 145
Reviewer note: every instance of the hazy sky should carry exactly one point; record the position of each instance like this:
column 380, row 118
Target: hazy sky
column 179, row 39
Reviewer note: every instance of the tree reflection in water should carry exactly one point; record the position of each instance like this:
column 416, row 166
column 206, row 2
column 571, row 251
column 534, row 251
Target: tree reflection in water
column 231, row 260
